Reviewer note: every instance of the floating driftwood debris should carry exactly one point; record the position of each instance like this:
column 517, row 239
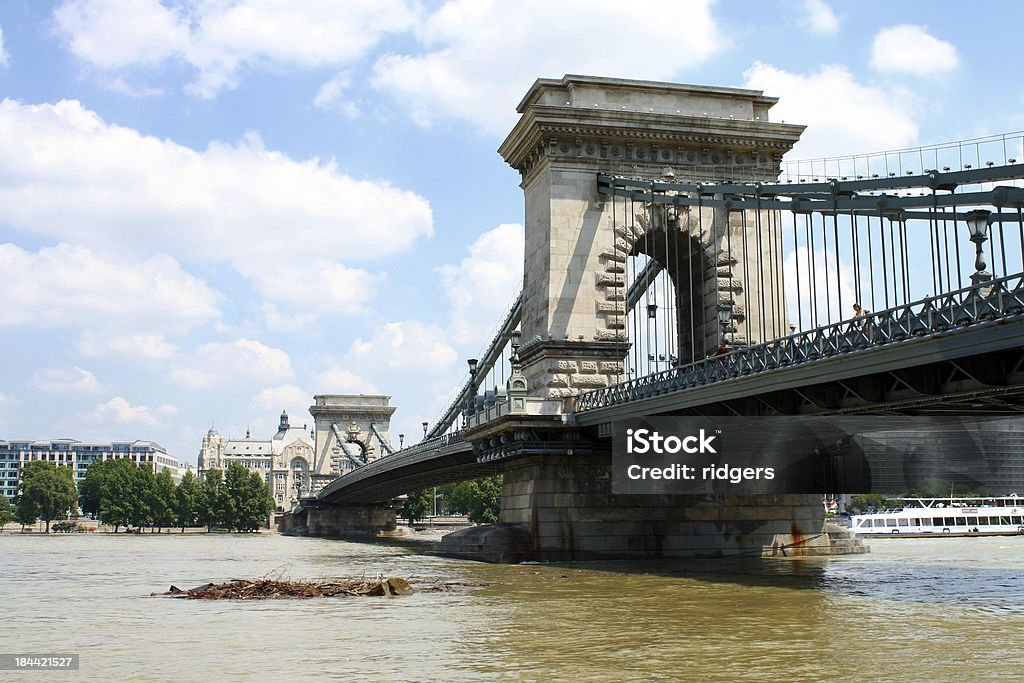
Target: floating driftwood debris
column 267, row 588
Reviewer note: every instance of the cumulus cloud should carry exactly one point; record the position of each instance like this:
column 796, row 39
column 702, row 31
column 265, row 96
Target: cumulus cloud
column 73, row 380
column 483, row 283
column 284, row 397
column 5, row 57
column 96, row 344
column 481, row 56
column 236, row 203
column 276, row 319
column 223, row 39
column 334, row 95
column 408, row 349
column 73, row 286
column 912, row 50
column 842, row 115
column 819, row 17
column 119, row 411
column 339, row 380
column 242, row 360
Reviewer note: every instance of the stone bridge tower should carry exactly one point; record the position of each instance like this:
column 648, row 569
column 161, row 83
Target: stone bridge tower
column 578, row 241
column 350, row 430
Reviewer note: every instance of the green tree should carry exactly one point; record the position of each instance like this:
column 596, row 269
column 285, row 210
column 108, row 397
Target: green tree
column 25, row 513
column 457, row 497
column 214, row 502
column 90, row 489
column 48, row 489
column 251, row 503
column 186, row 501
column 479, row 498
column 116, row 481
column 418, row 504
column 485, row 503
column 867, row 501
column 6, row 511
column 143, row 482
column 161, row 501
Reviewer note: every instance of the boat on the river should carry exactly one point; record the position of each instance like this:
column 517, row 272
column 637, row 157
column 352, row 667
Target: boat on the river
column 950, row 516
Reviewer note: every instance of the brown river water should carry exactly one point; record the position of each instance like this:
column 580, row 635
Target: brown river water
column 913, row 610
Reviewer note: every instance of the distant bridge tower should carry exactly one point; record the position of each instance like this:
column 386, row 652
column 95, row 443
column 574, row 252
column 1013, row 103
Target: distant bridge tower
column 578, row 241
column 351, row 430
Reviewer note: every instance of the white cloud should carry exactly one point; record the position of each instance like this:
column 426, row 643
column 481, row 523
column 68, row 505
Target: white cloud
column 275, row 220
column 112, row 33
column 5, row 57
column 481, row 286
column 819, row 17
column 73, row 380
column 69, row 285
column 842, row 115
column 335, row 95
column 484, row 54
column 222, row 39
column 401, row 347
column 911, row 49
column 96, row 344
column 119, row 411
column 224, row 362
column 338, row 380
column 276, row 319
column 282, row 397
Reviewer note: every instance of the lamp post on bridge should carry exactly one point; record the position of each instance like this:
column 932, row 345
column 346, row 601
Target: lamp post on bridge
column 977, row 224
column 471, row 399
column 424, row 431
column 401, row 441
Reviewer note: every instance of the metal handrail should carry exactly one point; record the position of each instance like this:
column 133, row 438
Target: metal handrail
column 991, row 300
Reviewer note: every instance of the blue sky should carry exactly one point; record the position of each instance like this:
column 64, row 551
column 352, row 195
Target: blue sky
column 212, row 210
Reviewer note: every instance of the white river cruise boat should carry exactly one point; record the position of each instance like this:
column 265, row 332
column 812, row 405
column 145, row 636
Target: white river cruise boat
column 1002, row 515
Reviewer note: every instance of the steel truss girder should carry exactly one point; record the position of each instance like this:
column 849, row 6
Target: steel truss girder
column 889, row 206
column 934, row 180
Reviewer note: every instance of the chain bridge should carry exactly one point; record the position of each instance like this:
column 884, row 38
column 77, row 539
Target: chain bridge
column 677, row 264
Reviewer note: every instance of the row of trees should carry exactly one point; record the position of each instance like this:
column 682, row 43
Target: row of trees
column 480, row 499
column 120, row 494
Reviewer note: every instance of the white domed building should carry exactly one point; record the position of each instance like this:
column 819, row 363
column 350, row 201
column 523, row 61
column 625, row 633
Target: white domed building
column 285, row 461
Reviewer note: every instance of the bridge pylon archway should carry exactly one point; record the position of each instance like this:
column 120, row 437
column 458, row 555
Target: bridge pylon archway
column 576, row 305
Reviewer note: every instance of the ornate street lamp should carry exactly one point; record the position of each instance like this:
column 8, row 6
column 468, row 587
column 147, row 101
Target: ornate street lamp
column 977, row 224
column 424, row 430
column 652, row 311
column 401, row 440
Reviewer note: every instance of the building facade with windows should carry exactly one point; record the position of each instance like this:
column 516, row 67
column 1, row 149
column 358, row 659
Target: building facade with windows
column 284, row 461
column 78, row 455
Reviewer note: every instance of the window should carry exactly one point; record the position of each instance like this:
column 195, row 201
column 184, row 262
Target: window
column 903, row 522
column 915, row 522
column 890, row 521
column 961, row 521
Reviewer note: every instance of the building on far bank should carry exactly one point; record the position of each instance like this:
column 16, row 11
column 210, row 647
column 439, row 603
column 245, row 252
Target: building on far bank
column 284, row 461
column 78, row 455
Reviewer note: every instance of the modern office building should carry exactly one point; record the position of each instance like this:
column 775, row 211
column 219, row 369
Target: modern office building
column 78, row 455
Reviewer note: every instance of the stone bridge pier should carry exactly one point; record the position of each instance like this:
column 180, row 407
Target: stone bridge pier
column 557, row 502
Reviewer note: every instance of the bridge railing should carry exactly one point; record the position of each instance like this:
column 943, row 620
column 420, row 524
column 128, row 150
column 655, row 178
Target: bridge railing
column 990, row 300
